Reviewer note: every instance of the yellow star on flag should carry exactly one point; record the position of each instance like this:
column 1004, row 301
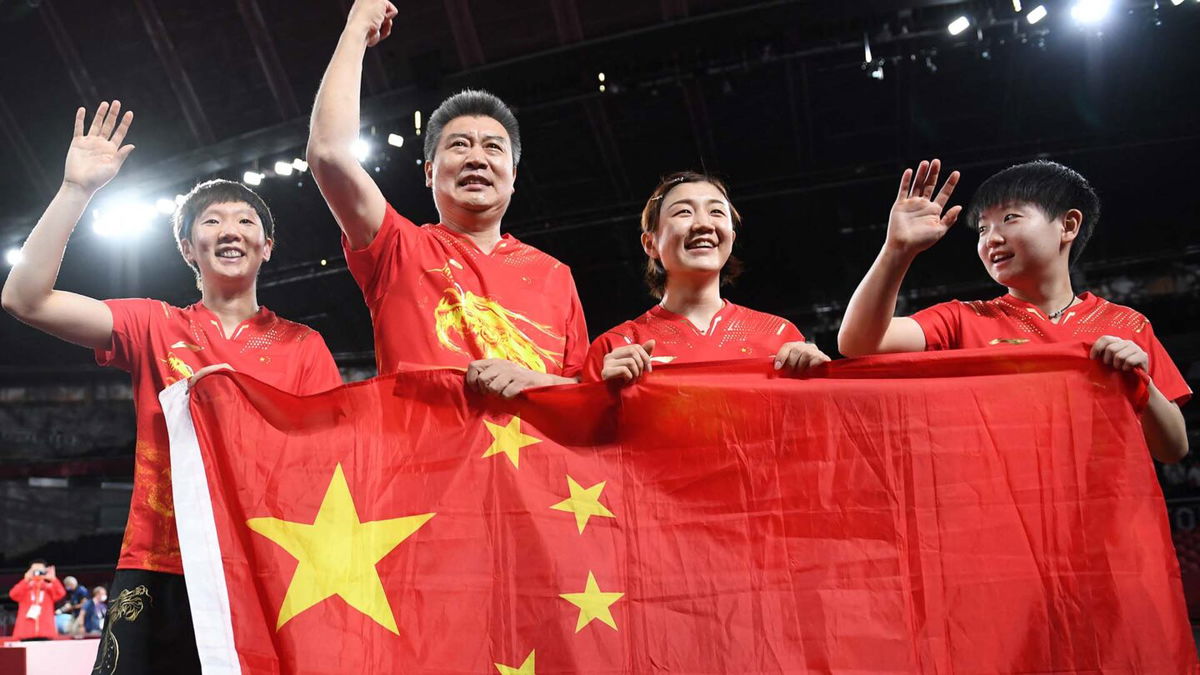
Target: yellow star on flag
column 508, row 439
column 337, row 554
column 584, row 503
column 525, row 668
column 593, row 604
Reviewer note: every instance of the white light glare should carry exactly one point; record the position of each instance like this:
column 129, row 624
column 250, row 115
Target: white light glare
column 417, row 121
column 165, row 206
column 1090, row 11
column 1036, row 14
column 866, row 49
column 600, row 76
column 12, row 256
column 361, row 149
column 283, row 168
column 396, row 140
column 959, row 25
column 123, row 219
column 252, row 178
column 300, row 165
column 1176, row 3
column 1017, row 6
column 179, row 199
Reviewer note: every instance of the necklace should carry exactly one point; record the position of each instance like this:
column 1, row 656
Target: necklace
column 1054, row 315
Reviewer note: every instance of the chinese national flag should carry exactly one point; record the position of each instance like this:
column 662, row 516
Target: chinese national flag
column 962, row 512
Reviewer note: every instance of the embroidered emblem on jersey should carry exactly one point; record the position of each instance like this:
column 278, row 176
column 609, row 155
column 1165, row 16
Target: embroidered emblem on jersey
column 1008, row 341
column 498, row 332
column 178, row 367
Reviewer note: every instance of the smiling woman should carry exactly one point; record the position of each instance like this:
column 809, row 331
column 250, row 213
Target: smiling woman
column 688, row 228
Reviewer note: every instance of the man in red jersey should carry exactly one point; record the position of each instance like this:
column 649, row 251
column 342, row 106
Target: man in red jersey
column 1033, row 221
column 457, row 293
column 224, row 231
column 688, row 229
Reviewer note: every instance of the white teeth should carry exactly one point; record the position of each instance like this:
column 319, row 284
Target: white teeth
column 230, row 254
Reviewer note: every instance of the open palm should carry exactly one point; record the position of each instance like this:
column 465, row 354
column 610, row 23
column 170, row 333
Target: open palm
column 96, row 156
column 917, row 220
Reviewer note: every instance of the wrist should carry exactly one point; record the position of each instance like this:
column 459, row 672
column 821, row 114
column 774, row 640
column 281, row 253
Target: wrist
column 895, row 253
column 75, row 190
column 357, row 32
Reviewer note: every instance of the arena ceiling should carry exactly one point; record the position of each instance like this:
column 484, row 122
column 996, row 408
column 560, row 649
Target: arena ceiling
column 776, row 96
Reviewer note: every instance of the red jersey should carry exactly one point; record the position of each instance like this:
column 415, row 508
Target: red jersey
column 1007, row 321
column 735, row 332
column 437, row 300
column 159, row 345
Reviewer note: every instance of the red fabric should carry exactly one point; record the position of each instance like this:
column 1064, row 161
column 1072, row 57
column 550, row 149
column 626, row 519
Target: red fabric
column 437, row 300
column 158, row 345
column 1007, row 321
column 41, row 592
column 959, row 512
column 735, row 332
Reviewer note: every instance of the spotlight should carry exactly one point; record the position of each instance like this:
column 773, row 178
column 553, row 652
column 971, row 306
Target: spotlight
column 959, row 25
column 866, row 49
column 252, row 178
column 1176, row 3
column 600, row 76
column 417, row 121
column 1090, row 11
column 300, row 165
column 283, row 168
column 877, row 74
column 396, row 140
column 601, row 89
column 1017, row 6
column 12, row 256
column 361, row 149
column 1036, row 14
column 165, row 206
column 324, row 262
column 123, row 219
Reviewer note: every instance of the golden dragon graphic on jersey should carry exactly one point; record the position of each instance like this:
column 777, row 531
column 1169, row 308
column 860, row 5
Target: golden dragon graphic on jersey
column 495, row 329
column 178, row 366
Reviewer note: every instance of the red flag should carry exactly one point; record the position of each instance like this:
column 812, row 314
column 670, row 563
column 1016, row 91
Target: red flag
column 952, row 512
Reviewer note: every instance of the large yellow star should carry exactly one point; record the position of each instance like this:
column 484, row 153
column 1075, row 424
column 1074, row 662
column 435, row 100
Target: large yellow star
column 337, row 554
column 508, row 439
column 584, row 503
column 525, row 669
column 593, row 604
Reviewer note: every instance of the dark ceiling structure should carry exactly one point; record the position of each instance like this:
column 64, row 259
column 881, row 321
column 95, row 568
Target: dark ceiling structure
column 779, row 97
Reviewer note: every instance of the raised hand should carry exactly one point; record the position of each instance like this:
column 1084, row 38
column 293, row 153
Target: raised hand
column 96, row 156
column 917, row 220
column 373, row 18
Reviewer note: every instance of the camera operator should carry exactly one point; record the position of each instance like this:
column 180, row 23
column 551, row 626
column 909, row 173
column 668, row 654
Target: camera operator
column 35, row 595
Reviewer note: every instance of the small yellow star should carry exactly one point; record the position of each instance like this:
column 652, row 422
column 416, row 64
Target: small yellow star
column 584, row 503
column 337, row 554
column 525, row 669
column 593, row 604
column 508, row 439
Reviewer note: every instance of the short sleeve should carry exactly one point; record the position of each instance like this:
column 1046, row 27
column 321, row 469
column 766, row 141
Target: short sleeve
column 319, row 371
column 131, row 324
column 576, row 349
column 1163, row 372
column 941, row 324
column 375, row 266
column 790, row 333
column 593, row 363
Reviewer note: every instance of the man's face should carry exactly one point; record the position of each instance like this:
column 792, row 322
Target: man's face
column 472, row 168
column 38, row 569
column 227, row 243
column 100, row 594
column 695, row 231
column 1018, row 243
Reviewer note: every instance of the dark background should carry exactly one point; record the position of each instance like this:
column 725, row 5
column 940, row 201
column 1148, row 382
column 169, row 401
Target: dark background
column 774, row 96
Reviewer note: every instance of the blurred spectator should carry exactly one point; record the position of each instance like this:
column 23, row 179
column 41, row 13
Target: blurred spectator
column 35, row 595
column 76, row 596
column 93, row 611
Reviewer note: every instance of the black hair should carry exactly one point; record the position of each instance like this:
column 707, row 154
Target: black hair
column 656, row 274
column 211, row 192
column 472, row 103
column 1052, row 187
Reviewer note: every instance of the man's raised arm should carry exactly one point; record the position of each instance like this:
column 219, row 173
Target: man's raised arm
column 351, row 193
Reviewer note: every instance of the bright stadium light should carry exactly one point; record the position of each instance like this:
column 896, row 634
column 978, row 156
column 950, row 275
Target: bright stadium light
column 417, row 121
column 165, row 206
column 283, row 168
column 1017, row 6
column 180, row 199
column 959, row 25
column 1036, row 14
column 300, row 165
column 1176, row 3
column 396, row 140
column 252, row 178
column 123, row 219
column 1090, row 11
column 12, row 256
column 361, row 149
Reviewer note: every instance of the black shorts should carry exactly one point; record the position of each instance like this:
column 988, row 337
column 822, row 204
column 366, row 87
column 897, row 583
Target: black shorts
column 148, row 628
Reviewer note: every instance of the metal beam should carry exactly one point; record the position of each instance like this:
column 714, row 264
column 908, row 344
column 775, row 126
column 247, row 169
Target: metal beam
column 673, row 9
column 268, row 59
column 189, row 104
column 84, row 87
column 466, row 40
column 34, row 170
